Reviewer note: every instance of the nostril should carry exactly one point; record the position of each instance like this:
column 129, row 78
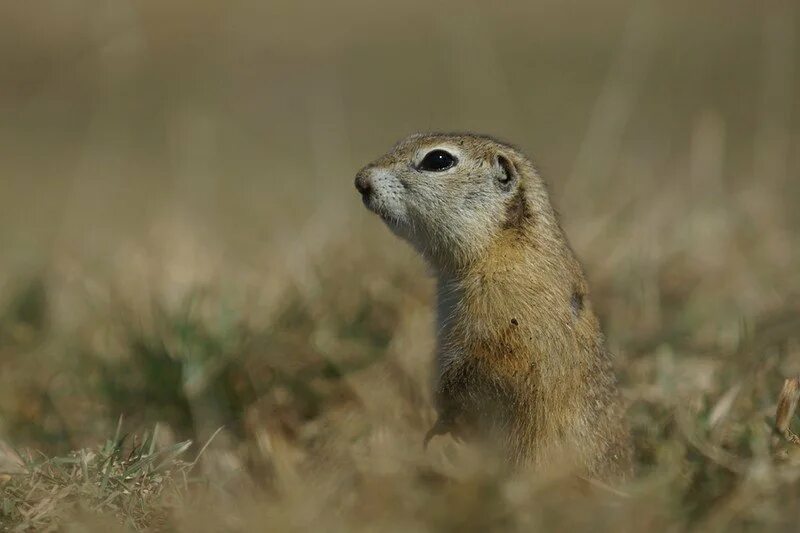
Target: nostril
column 363, row 184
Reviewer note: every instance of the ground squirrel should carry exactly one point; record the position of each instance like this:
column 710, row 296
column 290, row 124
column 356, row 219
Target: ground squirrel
column 521, row 361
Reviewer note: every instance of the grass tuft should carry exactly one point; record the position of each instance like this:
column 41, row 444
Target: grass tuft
column 134, row 482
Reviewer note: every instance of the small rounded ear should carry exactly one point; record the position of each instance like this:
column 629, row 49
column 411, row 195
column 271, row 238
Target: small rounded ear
column 508, row 175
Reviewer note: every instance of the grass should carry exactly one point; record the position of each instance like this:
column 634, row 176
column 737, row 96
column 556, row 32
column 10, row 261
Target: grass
column 138, row 486
column 183, row 252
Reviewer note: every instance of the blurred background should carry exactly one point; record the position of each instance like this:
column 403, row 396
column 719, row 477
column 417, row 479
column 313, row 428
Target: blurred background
column 181, row 242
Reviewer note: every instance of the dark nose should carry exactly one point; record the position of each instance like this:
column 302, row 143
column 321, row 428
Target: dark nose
column 363, row 183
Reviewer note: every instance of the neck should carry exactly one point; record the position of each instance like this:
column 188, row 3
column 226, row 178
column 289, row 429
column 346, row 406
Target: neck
column 518, row 291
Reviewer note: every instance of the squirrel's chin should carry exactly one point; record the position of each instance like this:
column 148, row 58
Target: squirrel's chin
column 396, row 222
column 397, row 225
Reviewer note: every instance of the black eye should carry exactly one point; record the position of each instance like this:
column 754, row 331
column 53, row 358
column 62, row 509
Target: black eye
column 437, row 160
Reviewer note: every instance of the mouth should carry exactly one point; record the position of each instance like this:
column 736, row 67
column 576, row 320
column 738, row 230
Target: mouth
column 366, row 200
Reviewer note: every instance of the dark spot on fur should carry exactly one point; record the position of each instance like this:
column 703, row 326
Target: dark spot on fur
column 518, row 212
column 576, row 304
column 514, row 322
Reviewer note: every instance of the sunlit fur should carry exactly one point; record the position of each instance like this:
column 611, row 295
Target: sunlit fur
column 521, row 362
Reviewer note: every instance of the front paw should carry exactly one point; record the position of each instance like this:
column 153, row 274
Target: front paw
column 444, row 424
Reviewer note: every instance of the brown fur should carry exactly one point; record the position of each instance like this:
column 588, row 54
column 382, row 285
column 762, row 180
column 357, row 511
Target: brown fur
column 522, row 365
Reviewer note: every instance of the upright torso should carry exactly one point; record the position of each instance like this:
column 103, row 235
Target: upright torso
column 520, row 366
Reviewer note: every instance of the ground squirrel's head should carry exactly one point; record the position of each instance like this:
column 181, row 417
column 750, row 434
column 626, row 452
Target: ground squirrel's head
column 451, row 195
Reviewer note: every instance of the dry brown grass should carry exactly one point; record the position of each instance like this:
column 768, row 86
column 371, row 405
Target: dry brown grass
column 181, row 245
